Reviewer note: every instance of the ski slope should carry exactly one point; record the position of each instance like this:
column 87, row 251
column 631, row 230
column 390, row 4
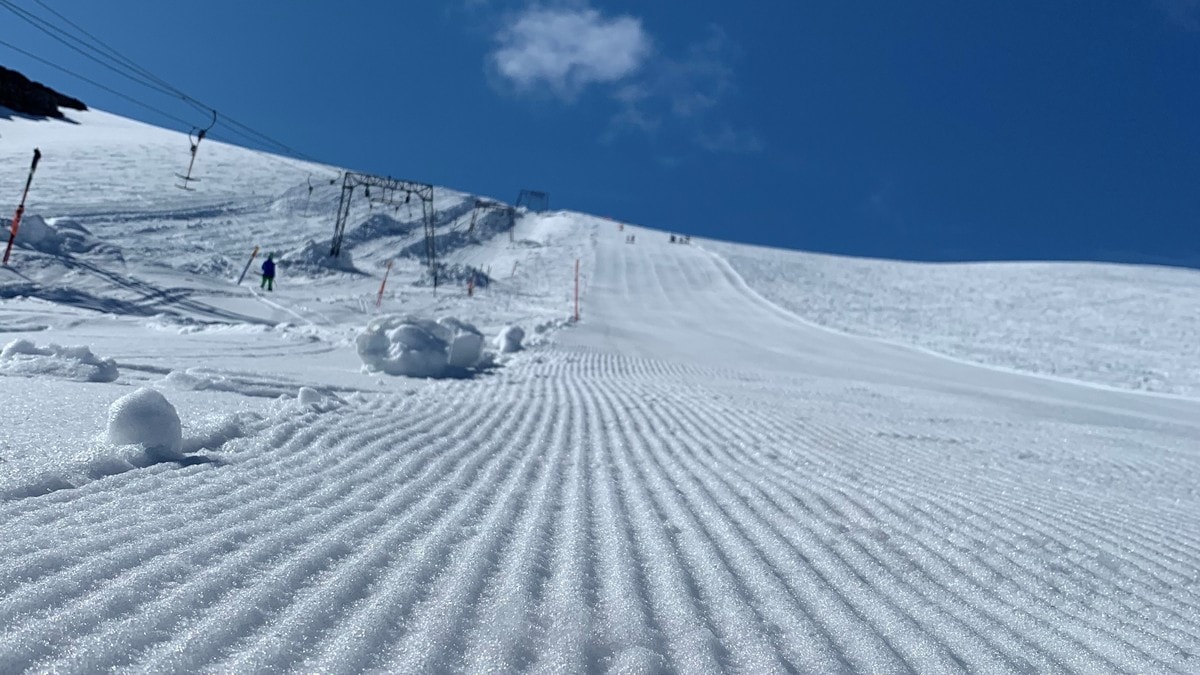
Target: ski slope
column 698, row 476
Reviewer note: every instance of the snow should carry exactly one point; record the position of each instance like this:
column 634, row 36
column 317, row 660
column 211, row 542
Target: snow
column 509, row 339
column 145, row 417
column 416, row 347
column 23, row 357
column 740, row 459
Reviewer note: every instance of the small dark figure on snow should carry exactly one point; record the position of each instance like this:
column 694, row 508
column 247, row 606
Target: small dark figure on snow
column 672, row 239
column 268, row 274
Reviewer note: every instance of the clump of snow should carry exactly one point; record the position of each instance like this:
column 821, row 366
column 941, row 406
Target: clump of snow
column 57, row 236
column 314, row 258
column 509, row 339
column 456, row 274
column 316, row 400
column 215, row 266
column 22, row 357
column 145, row 418
column 415, row 347
column 545, row 330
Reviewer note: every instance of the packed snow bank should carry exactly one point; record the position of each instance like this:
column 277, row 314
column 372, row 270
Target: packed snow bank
column 22, row 357
column 145, row 418
column 57, row 236
column 406, row 345
column 314, row 259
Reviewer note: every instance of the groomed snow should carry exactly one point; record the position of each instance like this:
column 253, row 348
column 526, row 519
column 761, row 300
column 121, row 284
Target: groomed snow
column 702, row 475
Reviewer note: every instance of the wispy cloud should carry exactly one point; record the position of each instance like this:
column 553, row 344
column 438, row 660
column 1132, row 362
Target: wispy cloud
column 687, row 94
column 727, row 139
column 1184, row 13
column 564, row 50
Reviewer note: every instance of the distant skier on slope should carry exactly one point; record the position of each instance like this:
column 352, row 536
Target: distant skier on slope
column 268, row 274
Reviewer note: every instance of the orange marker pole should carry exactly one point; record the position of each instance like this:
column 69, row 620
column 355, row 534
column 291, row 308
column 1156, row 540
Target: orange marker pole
column 382, row 285
column 247, row 267
column 16, row 223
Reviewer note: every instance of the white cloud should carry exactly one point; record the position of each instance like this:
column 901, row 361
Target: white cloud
column 567, row 49
column 564, row 49
column 688, row 94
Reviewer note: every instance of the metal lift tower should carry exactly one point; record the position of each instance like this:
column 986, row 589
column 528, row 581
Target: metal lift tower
column 391, row 191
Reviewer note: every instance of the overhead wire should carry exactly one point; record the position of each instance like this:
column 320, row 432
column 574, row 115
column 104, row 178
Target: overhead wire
column 66, row 39
column 108, row 57
column 113, row 53
column 94, row 83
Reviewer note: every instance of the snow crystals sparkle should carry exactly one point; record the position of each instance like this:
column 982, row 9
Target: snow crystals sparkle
column 738, row 460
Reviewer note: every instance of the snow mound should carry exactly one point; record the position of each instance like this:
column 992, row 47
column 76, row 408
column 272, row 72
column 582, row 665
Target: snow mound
column 456, row 274
column 145, row 418
column 22, row 357
column 509, row 339
column 415, row 347
column 57, row 236
column 316, row 400
column 314, row 259
column 215, row 266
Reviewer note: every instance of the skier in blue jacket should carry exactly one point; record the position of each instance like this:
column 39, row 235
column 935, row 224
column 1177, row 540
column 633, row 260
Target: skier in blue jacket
column 268, row 274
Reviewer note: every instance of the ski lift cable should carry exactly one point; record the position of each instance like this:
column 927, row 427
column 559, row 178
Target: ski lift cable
column 158, row 111
column 113, row 53
column 96, row 84
column 251, row 135
column 50, row 30
column 140, row 75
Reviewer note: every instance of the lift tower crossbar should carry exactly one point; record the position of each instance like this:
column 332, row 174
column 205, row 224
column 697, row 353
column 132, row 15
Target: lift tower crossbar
column 391, row 191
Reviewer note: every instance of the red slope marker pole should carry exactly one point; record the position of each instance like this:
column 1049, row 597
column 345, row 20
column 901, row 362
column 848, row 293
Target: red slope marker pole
column 37, row 154
column 382, row 284
column 577, row 289
column 247, row 267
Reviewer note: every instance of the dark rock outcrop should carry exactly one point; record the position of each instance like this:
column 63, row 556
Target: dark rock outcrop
column 22, row 95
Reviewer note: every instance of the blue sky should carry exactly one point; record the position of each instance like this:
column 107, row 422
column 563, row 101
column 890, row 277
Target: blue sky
column 934, row 130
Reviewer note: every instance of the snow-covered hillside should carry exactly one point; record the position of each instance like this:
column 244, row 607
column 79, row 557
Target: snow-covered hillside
column 197, row 475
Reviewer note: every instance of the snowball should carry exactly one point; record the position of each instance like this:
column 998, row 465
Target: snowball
column 509, row 339
column 145, row 418
column 22, row 357
column 419, row 347
column 309, row 396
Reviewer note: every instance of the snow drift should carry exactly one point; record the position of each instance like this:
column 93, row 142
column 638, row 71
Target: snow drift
column 56, row 236
column 22, row 357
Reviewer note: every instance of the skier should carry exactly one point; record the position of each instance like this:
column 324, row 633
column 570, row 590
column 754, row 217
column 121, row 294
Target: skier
column 268, row 274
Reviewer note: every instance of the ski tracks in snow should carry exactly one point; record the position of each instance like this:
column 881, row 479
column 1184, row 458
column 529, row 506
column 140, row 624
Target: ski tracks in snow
column 592, row 511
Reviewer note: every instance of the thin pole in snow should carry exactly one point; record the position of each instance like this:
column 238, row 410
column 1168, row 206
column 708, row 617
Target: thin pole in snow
column 577, row 289
column 37, row 155
column 247, row 267
column 382, row 285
